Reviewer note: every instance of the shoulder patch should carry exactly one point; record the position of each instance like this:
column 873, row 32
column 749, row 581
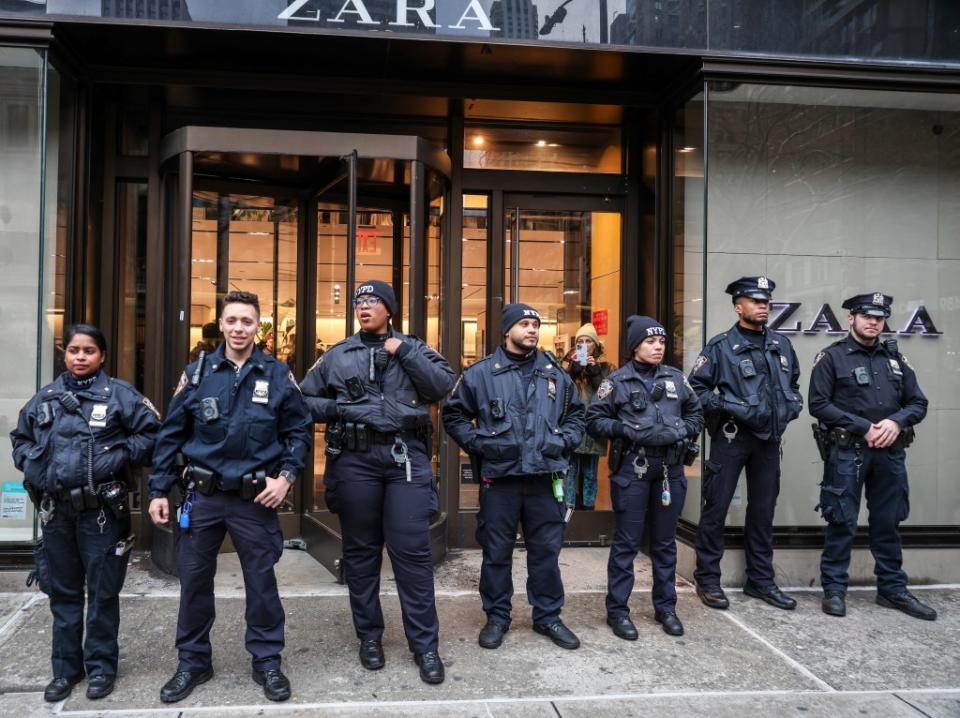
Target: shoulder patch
column 181, row 385
column 820, row 356
column 903, row 358
column 605, row 389
column 700, row 362
column 149, row 404
column 686, row 383
column 293, row 380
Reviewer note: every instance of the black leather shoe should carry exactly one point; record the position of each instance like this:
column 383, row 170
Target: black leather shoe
column 909, row 604
column 58, row 689
column 276, row 687
column 100, row 686
column 431, row 667
column 671, row 624
column 834, row 603
column 713, row 596
column 182, row 684
column 623, row 628
column 491, row 635
column 371, row 655
column 772, row 595
column 558, row 633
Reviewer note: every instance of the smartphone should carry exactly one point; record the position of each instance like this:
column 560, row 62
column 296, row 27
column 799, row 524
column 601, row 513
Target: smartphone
column 582, row 354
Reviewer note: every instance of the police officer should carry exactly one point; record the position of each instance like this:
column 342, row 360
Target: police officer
column 75, row 441
column 374, row 390
column 243, row 429
column 867, row 399
column 653, row 416
column 747, row 381
column 520, row 414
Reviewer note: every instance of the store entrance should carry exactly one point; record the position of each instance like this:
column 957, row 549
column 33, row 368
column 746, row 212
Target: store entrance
column 299, row 218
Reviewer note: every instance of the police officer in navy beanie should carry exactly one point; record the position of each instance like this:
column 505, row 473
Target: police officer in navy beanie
column 374, row 390
column 518, row 412
column 747, row 379
column 639, row 328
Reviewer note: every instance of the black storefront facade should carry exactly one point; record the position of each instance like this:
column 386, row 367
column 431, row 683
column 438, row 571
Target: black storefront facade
column 595, row 159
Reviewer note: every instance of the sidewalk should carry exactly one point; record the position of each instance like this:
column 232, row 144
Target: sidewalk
column 750, row 660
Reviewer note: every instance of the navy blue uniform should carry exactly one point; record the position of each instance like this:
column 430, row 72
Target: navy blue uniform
column 624, row 409
column 50, row 446
column 262, row 424
column 359, row 384
column 851, row 387
column 748, row 384
column 522, row 422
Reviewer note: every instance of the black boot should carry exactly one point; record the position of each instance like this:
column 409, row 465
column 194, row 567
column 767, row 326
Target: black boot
column 834, row 603
column 431, row 667
column 182, row 684
column 909, row 604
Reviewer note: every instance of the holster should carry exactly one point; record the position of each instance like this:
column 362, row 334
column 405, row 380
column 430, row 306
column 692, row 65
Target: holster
column 333, row 439
column 113, row 495
column 905, row 439
column 691, row 453
column 822, row 438
column 252, row 484
column 615, row 455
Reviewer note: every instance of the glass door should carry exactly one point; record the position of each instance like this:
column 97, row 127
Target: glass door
column 562, row 257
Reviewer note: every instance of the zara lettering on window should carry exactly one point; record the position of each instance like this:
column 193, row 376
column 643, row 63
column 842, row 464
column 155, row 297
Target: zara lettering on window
column 783, row 320
column 473, row 17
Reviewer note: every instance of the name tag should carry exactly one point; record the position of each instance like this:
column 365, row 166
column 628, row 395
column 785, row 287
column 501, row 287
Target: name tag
column 261, row 392
column 895, row 367
column 98, row 417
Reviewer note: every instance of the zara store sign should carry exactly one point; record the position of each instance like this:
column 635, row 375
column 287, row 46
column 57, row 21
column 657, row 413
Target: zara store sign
column 473, row 16
column 782, row 319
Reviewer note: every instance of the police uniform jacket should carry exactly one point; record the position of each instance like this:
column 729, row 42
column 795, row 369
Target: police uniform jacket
column 853, row 386
column 50, row 444
column 756, row 386
column 535, row 429
column 263, row 422
column 624, row 408
column 396, row 399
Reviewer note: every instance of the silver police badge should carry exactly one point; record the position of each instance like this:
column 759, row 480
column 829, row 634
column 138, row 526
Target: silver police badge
column 878, row 299
column 605, row 389
column 98, row 416
column 671, row 388
column 261, row 392
column 763, row 283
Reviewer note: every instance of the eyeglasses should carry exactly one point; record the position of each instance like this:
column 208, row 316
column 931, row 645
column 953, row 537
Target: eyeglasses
column 366, row 301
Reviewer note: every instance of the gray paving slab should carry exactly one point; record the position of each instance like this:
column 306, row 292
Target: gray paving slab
column 934, row 705
column 540, row 709
column 808, row 705
column 25, row 705
column 872, row 648
column 320, row 656
column 10, row 605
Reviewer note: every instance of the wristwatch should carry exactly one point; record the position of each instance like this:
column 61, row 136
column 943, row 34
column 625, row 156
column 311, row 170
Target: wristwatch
column 288, row 475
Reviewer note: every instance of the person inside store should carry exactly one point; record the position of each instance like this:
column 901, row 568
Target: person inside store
column 243, row 431
column 76, row 442
column 209, row 339
column 747, row 380
column 373, row 390
column 519, row 415
column 867, row 399
column 653, row 417
column 588, row 370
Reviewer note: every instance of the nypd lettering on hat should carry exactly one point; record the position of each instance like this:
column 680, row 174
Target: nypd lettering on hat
column 365, row 289
column 656, row 332
column 531, row 313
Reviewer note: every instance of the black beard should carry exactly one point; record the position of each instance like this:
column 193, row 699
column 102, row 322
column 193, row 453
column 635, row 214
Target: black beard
column 866, row 341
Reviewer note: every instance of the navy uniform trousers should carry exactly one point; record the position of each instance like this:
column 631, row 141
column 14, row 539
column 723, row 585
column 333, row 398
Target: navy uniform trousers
column 378, row 506
column 81, row 559
column 720, row 473
column 506, row 504
column 634, row 507
column 883, row 475
column 255, row 531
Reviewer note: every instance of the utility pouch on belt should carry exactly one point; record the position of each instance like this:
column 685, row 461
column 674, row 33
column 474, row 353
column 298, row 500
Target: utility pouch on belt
column 821, row 437
column 252, row 484
column 844, row 438
column 113, row 495
column 81, row 500
column 333, row 440
column 204, row 479
column 615, row 455
column 363, row 439
column 350, row 435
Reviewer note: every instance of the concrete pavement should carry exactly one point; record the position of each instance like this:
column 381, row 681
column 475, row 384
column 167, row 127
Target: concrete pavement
column 750, row 659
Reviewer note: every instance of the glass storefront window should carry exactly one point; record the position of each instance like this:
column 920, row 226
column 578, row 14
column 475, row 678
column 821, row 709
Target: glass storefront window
column 27, row 252
column 132, row 317
column 833, row 192
column 546, row 149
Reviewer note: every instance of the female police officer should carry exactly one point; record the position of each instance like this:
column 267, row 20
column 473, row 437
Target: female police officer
column 374, row 389
column 74, row 442
column 654, row 417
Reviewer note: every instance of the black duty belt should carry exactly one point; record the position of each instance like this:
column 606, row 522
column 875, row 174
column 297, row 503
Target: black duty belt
column 389, row 437
column 208, row 481
column 654, row 452
column 845, row 440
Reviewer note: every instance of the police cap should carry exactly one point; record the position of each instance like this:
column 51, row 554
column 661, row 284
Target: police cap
column 753, row 287
column 876, row 304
